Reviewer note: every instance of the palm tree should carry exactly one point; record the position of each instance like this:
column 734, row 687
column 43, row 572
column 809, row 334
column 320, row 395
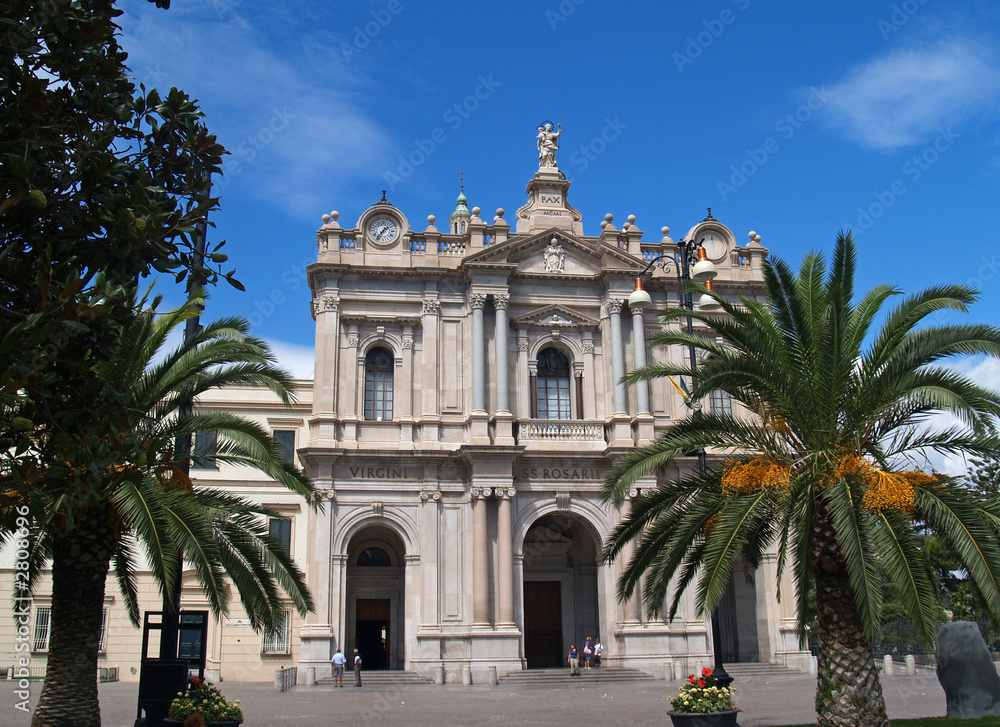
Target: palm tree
column 823, row 467
column 146, row 499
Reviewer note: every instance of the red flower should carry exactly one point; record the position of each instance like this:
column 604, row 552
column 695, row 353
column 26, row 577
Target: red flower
column 701, row 682
column 706, row 672
column 691, row 679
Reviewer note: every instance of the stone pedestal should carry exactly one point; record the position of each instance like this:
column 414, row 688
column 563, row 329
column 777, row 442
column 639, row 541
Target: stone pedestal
column 967, row 672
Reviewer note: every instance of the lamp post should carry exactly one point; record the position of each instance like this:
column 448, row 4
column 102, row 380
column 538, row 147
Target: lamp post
column 701, row 271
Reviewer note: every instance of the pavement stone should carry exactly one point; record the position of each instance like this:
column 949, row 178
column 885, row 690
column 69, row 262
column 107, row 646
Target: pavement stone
column 779, row 700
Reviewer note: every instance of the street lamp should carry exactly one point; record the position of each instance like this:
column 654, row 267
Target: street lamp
column 702, row 271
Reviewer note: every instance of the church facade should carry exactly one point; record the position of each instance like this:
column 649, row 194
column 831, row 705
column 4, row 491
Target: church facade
column 465, row 408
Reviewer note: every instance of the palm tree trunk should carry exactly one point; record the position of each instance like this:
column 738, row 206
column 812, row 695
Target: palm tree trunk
column 79, row 571
column 848, row 690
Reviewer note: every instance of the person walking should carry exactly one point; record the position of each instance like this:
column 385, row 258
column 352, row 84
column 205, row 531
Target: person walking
column 598, row 651
column 357, row 668
column 338, row 662
column 588, row 651
column 574, row 661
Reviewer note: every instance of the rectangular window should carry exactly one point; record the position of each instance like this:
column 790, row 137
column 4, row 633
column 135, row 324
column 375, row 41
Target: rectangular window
column 281, row 528
column 204, row 443
column 553, row 397
column 721, row 403
column 286, row 438
column 279, row 641
column 43, row 616
column 102, row 640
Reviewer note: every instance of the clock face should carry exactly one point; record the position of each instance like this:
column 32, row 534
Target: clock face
column 715, row 246
column 383, row 230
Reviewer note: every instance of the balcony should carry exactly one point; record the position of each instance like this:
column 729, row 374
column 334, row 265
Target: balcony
column 567, row 430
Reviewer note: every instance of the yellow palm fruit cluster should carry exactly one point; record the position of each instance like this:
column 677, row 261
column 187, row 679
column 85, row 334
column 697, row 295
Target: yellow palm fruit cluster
column 174, row 479
column 760, row 473
column 885, row 490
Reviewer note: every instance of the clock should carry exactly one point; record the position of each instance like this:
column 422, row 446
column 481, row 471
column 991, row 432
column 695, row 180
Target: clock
column 715, row 246
column 383, row 230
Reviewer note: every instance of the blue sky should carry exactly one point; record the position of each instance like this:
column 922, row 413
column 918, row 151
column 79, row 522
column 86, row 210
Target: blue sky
column 791, row 119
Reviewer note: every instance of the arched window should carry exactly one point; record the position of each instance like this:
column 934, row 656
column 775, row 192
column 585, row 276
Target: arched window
column 374, row 558
column 379, row 365
column 552, row 385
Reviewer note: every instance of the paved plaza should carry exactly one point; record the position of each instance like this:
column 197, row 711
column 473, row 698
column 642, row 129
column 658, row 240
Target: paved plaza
column 780, row 700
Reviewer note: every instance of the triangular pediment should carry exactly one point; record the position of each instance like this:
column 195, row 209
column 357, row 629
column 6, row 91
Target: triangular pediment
column 557, row 253
column 555, row 316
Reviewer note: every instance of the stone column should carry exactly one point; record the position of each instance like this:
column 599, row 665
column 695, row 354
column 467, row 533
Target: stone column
column 631, row 606
column 590, row 390
column 431, row 318
column 578, row 388
column 428, row 521
column 639, row 342
column 477, row 301
column 327, row 346
column 406, row 393
column 480, row 564
column 523, row 397
column 351, row 362
column 614, row 306
column 505, row 556
column 501, row 301
column 317, row 636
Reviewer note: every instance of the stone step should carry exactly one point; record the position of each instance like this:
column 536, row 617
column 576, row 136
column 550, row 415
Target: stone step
column 380, row 678
column 561, row 676
column 753, row 669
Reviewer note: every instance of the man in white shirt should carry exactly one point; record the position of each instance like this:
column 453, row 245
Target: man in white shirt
column 357, row 668
column 338, row 662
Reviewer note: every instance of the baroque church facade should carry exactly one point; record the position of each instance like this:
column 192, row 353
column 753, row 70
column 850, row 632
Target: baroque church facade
column 465, row 408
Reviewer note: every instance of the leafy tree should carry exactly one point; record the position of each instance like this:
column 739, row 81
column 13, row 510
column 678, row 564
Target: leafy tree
column 147, row 499
column 819, row 468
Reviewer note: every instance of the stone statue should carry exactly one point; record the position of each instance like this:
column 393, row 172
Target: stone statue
column 548, row 145
column 554, row 257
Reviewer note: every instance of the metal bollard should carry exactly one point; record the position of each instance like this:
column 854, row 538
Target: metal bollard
column 493, row 676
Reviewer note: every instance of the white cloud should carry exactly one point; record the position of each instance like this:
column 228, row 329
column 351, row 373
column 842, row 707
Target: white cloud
column 983, row 371
column 905, row 97
column 295, row 358
column 295, row 128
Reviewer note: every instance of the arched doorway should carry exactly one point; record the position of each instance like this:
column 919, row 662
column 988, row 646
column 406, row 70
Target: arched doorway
column 560, row 589
column 375, row 597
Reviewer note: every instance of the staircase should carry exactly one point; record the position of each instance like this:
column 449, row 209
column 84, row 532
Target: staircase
column 754, row 670
column 562, row 676
column 379, row 679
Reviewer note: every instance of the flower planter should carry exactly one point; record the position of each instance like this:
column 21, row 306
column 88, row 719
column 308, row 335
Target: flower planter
column 707, row 719
column 180, row 723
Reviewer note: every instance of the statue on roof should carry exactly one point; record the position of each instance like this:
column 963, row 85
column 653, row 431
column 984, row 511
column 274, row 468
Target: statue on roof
column 548, row 145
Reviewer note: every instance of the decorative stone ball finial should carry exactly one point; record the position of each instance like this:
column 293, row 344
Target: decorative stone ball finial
column 334, row 215
column 326, row 219
column 609, row 217
column 431, row 219
column 631, row 219
column 665, row 231
column 500, row 213
column 604, row 223
column 476, row 211
column 752, row 235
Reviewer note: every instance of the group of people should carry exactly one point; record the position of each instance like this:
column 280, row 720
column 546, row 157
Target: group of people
column 338, row 661
column 592, row 652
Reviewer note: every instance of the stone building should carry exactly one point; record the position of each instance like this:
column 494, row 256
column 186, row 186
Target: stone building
column 465, row 409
